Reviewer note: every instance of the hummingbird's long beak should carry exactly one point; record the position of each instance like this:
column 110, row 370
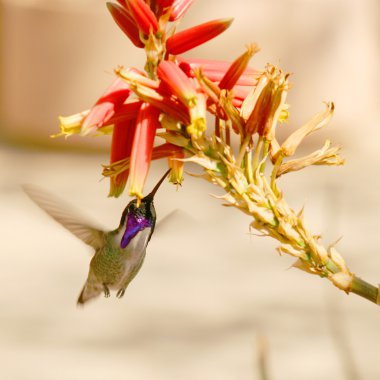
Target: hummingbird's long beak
column 151, row 195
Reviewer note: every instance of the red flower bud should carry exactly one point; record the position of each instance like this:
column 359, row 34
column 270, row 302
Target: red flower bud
column 179, row 8
column 126, row 23
column 143, row 16
column 195, row 36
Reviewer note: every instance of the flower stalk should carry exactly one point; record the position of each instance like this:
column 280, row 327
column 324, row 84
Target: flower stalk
column 170, row 102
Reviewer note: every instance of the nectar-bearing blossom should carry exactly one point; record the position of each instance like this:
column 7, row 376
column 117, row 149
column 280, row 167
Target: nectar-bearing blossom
column 146, row 126
column 106, row 106
column 173, row 101
column 121, row 148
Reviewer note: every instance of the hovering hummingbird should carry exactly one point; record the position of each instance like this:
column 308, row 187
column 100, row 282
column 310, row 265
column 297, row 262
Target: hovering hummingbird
column 119, row 254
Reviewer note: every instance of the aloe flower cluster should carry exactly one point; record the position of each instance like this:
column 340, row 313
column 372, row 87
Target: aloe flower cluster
column 172, row 100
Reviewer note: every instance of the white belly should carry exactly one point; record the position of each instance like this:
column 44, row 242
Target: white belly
column 134, row 256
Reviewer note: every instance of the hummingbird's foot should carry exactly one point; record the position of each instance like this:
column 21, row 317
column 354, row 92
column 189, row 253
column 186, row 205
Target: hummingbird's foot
column 106, row 291
column 120, row 293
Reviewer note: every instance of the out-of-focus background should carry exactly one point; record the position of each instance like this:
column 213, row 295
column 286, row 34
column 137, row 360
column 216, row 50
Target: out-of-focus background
column 207, row 288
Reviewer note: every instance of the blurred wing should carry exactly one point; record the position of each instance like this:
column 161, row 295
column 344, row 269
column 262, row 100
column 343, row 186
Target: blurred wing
column 66, row 216
column 177, row 219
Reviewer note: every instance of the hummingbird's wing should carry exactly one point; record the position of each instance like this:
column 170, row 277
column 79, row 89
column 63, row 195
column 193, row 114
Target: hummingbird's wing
column 66, row 216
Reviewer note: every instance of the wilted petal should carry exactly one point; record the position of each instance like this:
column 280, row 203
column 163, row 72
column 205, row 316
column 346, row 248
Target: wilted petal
column 143, row 16
column 291, row 144
column 126, row 23
column 263, row 106
column 179, row 8
column 195, row 36
column 106, row 106
column 121, row 148
column 327, row 155
column 146, row 126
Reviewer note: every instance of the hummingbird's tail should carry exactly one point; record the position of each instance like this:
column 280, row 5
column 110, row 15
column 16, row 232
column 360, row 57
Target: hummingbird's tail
column 89, row 291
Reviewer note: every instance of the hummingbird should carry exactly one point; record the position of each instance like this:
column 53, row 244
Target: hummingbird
column 119, row 254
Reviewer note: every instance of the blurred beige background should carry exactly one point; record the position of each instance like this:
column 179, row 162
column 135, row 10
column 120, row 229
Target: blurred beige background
column 207, row 288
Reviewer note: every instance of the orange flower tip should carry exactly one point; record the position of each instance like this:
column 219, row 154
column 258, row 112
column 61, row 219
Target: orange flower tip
column 237, row 68
column 126, row 23
column 143, row 16
column 195, row 36
column 179, row 8
column 178, row 82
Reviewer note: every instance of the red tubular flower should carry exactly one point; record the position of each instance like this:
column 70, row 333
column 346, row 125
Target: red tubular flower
column 216, row 70
column 126, row 23
column 128, row 111
column 106, row 106
column 237, row 68
column 143, row 15
column 146, row 125
column 179, row 8
column 122, row 139
column 195, row 36
column 149, row 91
column 178, row 83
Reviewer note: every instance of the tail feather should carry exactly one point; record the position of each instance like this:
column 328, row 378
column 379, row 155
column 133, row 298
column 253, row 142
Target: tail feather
column 88, row 292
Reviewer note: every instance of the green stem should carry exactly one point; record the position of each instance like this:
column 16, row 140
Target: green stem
column 358, row 286
column 264, row 155
column 248, row 166
column 243, row 147
column 365, row 290
column 217, row 127
column 257, row 153
column 227, row 132
column 273, row 177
